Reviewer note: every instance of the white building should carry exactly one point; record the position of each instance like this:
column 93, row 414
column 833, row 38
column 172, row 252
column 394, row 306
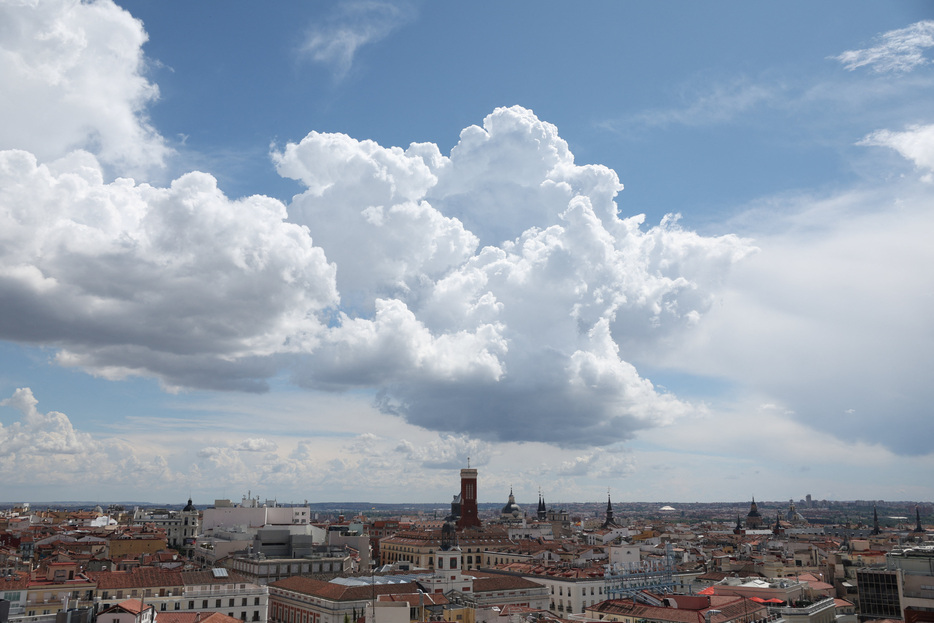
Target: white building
column 181, row 527
column 250, row 515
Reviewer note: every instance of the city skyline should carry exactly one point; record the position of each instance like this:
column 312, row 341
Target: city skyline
column 332, row 251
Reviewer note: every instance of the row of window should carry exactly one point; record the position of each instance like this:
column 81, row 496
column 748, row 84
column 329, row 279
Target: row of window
column 583, row 590
column 561, row 607
column 205, row 603
column 284, row 614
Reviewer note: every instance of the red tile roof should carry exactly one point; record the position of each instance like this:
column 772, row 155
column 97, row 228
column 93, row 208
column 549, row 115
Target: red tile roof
column 339, row 592
column 487, row 582
column 195, row 617
column 133, row 606
column 146, row 577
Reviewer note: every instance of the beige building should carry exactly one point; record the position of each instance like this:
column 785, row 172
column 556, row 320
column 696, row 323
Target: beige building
column 58, row 586
column 215, row 590
column 419, row 548
column 305, row 600
column 181, row 528
column 128, row 611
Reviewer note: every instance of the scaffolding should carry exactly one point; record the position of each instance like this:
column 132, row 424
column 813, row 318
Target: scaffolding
column 635, row 579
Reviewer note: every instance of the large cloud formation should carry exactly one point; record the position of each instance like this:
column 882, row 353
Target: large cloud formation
column 519, row 339
column 179, row 282
column 493, row 291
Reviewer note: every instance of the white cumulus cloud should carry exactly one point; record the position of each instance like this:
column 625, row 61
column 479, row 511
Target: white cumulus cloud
column 521, row 339
column 45, row 449
column 180, row 282
column 256, row 444
column 72, row 76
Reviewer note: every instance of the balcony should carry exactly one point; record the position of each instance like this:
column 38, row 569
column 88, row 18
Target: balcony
column 227, row 592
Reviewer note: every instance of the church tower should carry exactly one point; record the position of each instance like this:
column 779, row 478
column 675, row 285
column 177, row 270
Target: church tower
column 469, row 516
column 609, row 522
column 447, row 574
column 753, row 519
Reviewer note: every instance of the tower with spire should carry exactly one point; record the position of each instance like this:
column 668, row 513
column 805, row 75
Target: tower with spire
column 511, row 512
column 875, row 520
column 918, row 528
column 753, row 518
column 609, row 522
column 542, row 511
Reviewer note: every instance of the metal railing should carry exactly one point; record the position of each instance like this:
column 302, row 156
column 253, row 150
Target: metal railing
column 228, row 592
column 805, row 610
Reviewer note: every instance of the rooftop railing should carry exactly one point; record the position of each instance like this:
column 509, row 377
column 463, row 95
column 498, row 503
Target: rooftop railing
column 805, row 610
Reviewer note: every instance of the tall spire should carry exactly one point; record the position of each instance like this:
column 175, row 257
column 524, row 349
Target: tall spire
column 918, row 527
column 875, row 520
column 609, row 523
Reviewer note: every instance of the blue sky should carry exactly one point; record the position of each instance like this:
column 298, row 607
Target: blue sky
column 328, row 251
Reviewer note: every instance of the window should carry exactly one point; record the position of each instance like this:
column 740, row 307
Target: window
column 256, row 601
column 162, row 606
column 243, row 602
column 230, row 603
column 243, row 616
column 191, row 604
column 217, row 603
column 204, row 603
column 178, row 605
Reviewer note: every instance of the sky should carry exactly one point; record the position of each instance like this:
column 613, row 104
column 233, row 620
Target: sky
column 332, row 251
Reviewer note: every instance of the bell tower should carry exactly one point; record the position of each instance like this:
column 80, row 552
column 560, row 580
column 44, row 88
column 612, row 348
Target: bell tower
column 469, row 516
